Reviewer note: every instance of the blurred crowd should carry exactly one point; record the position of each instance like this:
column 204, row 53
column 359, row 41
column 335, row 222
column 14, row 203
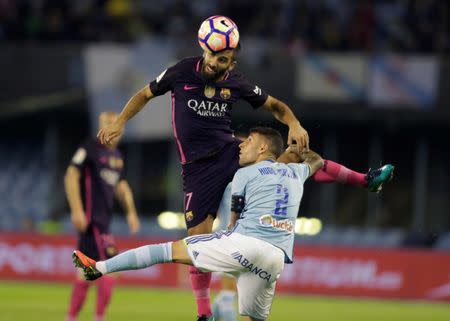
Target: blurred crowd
column 344, row 25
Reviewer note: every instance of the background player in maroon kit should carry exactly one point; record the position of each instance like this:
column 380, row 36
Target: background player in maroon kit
column 93, row 178
column 204, row 90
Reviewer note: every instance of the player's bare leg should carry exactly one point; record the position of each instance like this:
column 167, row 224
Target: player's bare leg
column 180, row 253
column 201, row 281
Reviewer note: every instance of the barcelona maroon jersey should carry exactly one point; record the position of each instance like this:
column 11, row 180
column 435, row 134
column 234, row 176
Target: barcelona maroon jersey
column 101, row 169
column 201, row 108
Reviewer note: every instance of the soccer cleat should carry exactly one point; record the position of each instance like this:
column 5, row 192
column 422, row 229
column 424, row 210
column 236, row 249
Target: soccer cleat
column 87, row 264
column 205, row 318
column 377, row 177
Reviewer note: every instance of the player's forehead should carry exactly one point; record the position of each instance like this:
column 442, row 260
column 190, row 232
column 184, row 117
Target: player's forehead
column 254, row 136
column 228, row 54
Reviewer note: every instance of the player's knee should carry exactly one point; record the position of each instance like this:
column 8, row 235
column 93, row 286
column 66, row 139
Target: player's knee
column 180, row 253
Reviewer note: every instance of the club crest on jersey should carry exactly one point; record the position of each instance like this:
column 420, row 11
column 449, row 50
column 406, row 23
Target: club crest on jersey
column 189, row 216
column 115, row 162
column 209, row 91
column 225, row 93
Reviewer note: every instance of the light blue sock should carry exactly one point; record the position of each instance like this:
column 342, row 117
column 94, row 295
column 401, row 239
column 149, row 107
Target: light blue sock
column 138, row 258
column 224, row 306
column 216, row 311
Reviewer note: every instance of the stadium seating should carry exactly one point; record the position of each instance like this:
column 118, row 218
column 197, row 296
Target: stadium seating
column 24, row 184
column 443, row 243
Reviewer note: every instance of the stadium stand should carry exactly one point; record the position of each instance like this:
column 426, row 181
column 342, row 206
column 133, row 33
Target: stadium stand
column 412, row 25
column 23, row 176
column 443, row 242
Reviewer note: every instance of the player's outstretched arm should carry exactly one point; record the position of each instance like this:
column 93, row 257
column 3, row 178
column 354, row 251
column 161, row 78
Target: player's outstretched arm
column 73, row 195
column 133, row 106
column 290, row 155
column 284, row 114
column 125, row 196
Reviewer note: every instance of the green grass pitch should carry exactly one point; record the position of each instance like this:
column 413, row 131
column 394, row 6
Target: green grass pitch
column 48, row 302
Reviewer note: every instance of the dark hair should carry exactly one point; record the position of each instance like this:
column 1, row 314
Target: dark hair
column 273, row 138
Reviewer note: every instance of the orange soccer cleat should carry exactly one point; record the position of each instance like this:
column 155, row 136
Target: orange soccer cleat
column 87, row 264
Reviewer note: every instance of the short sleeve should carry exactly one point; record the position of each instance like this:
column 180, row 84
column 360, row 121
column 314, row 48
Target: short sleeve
column 302, row 171
column 80, row 157
column 165, row 81
column 253, row 94
column 239, row 182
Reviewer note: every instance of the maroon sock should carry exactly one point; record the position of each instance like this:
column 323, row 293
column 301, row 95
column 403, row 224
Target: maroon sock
column 79, row 291
column 200, row 283
column 333, row 172
column 105, row 287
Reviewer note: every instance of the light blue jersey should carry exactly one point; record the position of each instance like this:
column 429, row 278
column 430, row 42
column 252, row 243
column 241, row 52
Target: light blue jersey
column 272, row 193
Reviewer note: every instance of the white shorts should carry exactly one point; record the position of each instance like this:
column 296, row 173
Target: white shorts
column 255, row 263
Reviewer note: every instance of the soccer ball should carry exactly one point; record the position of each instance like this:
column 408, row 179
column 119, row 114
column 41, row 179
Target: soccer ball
column 218, row 33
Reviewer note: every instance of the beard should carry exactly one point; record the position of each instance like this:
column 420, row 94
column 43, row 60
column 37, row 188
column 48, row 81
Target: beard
column 216, row 75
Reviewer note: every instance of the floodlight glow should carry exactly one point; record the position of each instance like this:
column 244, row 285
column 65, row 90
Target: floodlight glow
column 171, row 220
column 308, row 226
column 315, row 227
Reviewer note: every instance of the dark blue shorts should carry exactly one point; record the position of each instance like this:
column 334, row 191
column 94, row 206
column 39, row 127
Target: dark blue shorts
column 97, row 245
column 204, row 182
